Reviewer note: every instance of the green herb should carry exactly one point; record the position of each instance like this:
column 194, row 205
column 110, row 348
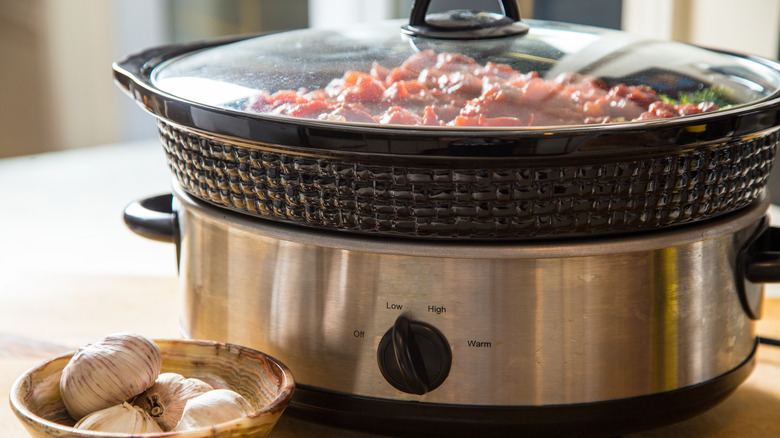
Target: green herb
column 717, row 95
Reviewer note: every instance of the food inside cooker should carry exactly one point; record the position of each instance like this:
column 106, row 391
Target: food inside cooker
column 449, row 89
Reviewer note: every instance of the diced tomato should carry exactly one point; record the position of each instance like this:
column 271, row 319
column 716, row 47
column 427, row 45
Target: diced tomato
column 472, row 108
column 366, row 89
column 598, row 120
column 688, row 109
column 409, row 92
column 379, row 72
column 584, row 93
column 351, row 113
column 460, row 83
column 352, row 77
column 580, row 81
column 647, row 115
column 316, row 95
column 399, row 116
column 520, row 80
column 446, row 112
column 641, row 95
column 400, row 74
column 261, row 102
column 415, row 88
column 430, row 118
column 594, row 108
column 490, row 108
column 568, row 78
column 707, row 106
column 662, row 109
column 497, row 100
column 452, row 62
column 595, row 83
column 448, row 100
column 540, row 118
column 466, row 121
column 396, row 93
column 492, row 69
column 430, row 77
column 619, row 90
column 491, row 91
column 311, row 109
column 420, row 61
column 330, row 117
column 285, row 96
column 621, row 107
column 500, row 121
column 538, row 91
column 334, row 88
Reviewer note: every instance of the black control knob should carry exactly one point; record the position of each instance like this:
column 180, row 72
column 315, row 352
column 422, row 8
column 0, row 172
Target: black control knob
column 413, row 356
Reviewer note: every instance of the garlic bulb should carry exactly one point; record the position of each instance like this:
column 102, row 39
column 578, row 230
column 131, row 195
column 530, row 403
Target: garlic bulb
column 122, row 418
column 165, row 400
column 213, row 407
column 108, row 372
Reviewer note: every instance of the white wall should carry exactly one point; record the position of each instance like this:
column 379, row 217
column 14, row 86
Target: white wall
column 748, row 26
column 334, row 13
column 69, row 99
column 78, row 72
column 745, row 25
column 138, row 24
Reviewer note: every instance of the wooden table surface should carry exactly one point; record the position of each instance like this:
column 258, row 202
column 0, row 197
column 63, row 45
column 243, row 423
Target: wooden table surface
column 46, row 315
column 70, row 273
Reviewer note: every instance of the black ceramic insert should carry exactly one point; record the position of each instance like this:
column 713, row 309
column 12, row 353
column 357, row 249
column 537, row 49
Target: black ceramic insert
column 507, row 198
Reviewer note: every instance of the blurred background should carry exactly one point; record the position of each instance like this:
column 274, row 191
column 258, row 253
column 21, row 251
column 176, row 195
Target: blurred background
column 56, row 85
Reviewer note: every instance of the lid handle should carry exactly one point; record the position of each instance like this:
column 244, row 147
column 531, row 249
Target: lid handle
column 462, row 24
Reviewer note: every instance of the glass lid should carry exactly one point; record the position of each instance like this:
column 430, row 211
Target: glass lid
column 389, row 74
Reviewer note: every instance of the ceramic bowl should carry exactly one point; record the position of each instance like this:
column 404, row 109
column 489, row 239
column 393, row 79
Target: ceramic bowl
column 263, row 381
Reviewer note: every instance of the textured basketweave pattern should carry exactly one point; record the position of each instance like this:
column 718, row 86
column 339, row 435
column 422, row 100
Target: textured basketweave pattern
column 509, row 203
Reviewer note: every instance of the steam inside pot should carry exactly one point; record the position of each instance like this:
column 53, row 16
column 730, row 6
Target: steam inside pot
column 450, row 89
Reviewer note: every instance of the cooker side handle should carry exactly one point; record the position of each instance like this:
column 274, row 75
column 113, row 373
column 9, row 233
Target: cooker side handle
column 153, row 218
column 758, row 262
column 764, row 265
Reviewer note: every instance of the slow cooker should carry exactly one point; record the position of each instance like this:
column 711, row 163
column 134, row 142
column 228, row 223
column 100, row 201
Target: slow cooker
column 470, row 223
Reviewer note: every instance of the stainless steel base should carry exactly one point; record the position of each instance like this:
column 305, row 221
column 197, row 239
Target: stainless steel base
column 529, row 324
column 613, row 418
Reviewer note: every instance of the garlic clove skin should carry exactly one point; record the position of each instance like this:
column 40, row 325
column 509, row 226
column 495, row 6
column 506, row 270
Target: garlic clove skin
column 123, row 418
column 108, row 372
column 213, row 407
column 165, row 400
